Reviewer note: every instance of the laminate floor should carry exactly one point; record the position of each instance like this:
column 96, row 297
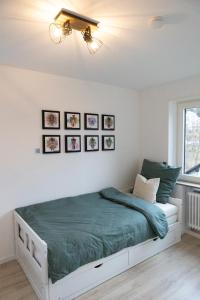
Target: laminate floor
column 173, row 274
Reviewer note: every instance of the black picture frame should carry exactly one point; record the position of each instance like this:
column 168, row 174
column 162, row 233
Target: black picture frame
column 44, row 137
column 103, row 122
column 104, row 148
column 67, row 145
column 66, row 120
column 86, row 115
column 44, row 125
column 86, row 137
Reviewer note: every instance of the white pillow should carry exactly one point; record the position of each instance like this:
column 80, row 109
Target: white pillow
column 146, row 189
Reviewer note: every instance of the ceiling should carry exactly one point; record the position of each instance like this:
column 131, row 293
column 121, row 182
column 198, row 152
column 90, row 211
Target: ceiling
column 134, row 55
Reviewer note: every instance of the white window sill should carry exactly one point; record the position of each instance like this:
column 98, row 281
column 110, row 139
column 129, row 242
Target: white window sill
column 189, row 184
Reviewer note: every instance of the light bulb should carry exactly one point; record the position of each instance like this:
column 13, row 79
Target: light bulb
column 94, row 45
column 56, row 33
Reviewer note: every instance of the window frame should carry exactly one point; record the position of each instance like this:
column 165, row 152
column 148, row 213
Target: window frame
column 181, row 138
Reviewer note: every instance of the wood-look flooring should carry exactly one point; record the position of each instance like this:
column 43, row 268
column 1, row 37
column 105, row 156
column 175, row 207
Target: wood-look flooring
column 173, row 274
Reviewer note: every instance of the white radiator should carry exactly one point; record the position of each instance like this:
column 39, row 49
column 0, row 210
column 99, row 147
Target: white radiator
column 194, row 210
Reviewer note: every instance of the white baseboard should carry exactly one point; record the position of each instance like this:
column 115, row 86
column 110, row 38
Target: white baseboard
column 194, row 234
column 7, row 259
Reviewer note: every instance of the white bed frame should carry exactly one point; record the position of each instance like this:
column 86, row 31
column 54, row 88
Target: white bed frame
column 31, row 253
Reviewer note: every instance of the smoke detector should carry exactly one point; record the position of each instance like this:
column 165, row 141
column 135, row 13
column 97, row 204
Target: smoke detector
column 156, row 22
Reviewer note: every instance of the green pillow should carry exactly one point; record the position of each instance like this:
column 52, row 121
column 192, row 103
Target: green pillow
column 168, row 176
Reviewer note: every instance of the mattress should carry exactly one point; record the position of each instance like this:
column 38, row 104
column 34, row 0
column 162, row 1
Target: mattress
column 171, row 220
column 170, row 210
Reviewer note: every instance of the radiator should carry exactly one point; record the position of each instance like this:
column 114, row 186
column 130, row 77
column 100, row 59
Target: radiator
column 194, row 210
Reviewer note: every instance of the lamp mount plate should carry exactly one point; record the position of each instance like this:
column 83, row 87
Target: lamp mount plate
column 77, row 21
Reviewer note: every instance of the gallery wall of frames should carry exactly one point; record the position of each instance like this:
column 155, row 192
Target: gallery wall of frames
column 51, row 144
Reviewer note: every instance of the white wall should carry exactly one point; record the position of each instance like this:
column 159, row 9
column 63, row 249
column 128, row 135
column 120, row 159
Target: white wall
column 27, row 177
column 154, row 115
column 157, row 134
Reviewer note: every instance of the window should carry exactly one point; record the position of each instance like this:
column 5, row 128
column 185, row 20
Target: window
column 188, row 140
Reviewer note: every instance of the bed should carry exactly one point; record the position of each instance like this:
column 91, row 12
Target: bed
column 106, row 233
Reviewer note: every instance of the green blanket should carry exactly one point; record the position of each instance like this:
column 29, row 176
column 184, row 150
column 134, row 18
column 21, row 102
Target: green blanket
column 85, row 228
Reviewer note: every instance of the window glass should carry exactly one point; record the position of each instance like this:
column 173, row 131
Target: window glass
column 192, row 141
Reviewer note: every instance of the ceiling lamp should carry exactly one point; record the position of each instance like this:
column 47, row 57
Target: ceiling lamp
column 66, row 21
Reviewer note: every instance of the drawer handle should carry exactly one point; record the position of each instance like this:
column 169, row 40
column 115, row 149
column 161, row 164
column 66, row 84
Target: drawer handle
column 155, row 239
column 98, row 266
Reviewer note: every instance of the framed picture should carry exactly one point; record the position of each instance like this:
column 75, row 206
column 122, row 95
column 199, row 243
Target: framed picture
column 72, row 120
column 72, row 143
column 108, row 142
column 91, row 143
column 108, row 122
column 91, row 121
column 50, row 119
column 51, row 144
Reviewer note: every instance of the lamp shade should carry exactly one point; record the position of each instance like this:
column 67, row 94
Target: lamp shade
column 56, row 33
column 94, row 45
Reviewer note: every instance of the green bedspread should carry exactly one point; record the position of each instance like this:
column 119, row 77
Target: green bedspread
column 85, row 228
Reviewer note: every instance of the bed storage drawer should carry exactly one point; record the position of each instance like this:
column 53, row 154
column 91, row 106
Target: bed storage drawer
column 90, row 275
column 149, row 248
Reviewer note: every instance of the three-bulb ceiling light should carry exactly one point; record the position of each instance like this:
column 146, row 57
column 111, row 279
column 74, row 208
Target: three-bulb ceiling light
column 66, row 21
